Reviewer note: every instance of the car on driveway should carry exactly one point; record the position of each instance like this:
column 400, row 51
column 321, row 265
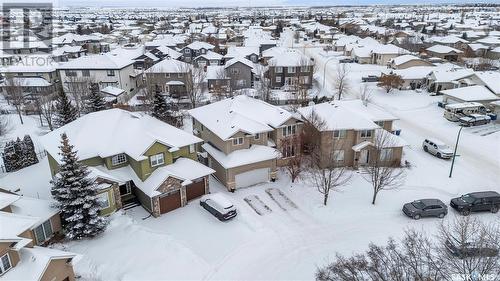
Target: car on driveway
column 476, row 202
column 370, row 78
column 218, row 205
column 437, row 148
column 470, row 249
column 425, row 208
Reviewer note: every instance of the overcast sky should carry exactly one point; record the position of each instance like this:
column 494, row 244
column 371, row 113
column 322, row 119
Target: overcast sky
column 218, row 3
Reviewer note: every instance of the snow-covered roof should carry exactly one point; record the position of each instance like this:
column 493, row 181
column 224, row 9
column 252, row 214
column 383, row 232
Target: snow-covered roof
column 114, row 131
column 37, row 208
column 7, row 198
column 491, row 80
column 240, row 113
column 197, row 45
column 13, row 225
column 27, row 82
column 404, row 59
column 347, row 115
column 113, row 91
column 234, row 51
column 99, row 61
column 471, row 93
column 210, row 56
column 240, row 157
column 240, row 60
column 442, row 49
column 448, row 75
column 33, row 262
column 290, row 58
column 169, row 66
column 169, row 52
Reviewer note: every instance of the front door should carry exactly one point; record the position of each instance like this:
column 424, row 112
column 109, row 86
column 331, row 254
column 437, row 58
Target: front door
column 125, row 189
column 364, row 157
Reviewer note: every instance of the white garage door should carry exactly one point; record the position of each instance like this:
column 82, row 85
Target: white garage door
column 252, row 177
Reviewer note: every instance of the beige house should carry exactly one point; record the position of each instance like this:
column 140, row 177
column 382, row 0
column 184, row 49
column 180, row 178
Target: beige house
column 26, row 223
column 243, row 139
column 351, row 132
column 407, row 61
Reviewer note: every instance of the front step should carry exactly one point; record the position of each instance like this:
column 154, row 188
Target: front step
column 130, row 205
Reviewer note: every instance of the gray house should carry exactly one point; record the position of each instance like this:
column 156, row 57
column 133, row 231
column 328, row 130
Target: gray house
column 239, row 70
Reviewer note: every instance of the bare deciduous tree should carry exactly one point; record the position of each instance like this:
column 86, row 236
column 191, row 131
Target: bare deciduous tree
column 13, row 93
column 325, row 171
column 195, row 78
column 291, row 150
column 390, row 82
column 342, row 80
column 365, row 94
column 78, row 88
column 383, row 173
column 46, row 108
column 264, row 87
column 419, row 257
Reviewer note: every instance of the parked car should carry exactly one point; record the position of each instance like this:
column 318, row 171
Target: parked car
column 425, row 208
column 474, row 120
column 219, row 206
column 437, row 148
column 370, row 78
column 476, row 202
column 470, row 249
column 346, row 61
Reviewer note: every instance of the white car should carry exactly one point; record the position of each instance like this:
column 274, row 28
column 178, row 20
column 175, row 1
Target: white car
column 219, row 206
column 437, row 148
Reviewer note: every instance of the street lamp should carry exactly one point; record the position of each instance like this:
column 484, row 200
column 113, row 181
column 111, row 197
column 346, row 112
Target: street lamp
column 455, row 151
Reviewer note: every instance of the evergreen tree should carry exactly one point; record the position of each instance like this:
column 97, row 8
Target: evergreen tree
column 95, row 102
column 65, row 111
column 29, row 151
column 160, row 108
column 76, row 196
column 10, row 157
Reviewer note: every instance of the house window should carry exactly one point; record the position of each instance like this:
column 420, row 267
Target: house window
column 288, row 151
column 110, row 72
column 234, row 71
column 380, row 123
column 191, row 148
column 288, row 130
column 338, row 155
column 70, row 73
column 386, row 154
column 5, row 264
column 180, row 75
column 366, row 133
column 103, row 200
column 43, row 232
column 256, row 137
column 278, row 79
column 279, row 69
column 86, row 73
column 156, row 160
column 339, row 134
column 167, row 75
column 187, row 51
column 291, row 69
column 304, row 79
column 304, row 68
column 118, row 159
column 238, row 141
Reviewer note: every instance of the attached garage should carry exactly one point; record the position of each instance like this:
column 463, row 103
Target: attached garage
column 196, row 189
column 252, row 177
column 170, row 201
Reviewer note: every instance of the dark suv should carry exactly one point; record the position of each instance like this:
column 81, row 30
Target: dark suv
column 470, row 249
column 476, row 202
column 425, row 208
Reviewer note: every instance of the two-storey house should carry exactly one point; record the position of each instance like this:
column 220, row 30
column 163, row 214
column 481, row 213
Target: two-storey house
column 195, row 49
column 290, row 69
column 169, row 76
column 243, row 139
column 135, row 158
column 26, row 224
column 350, row 131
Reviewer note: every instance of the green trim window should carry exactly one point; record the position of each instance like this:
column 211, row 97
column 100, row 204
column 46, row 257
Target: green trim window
column 103, row 199
column 5, row 264
column 43, row 232
column 118, row 159
column 157, row 160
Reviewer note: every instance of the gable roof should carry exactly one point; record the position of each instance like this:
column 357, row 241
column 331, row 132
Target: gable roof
column 471, row 93
column 99, row 61
column 347, row 115
column 169, row 66
column 114, row 131
column 240, row 113
column 442, row 49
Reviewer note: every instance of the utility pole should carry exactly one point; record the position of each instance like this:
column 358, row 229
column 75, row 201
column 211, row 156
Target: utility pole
column 455, row 151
